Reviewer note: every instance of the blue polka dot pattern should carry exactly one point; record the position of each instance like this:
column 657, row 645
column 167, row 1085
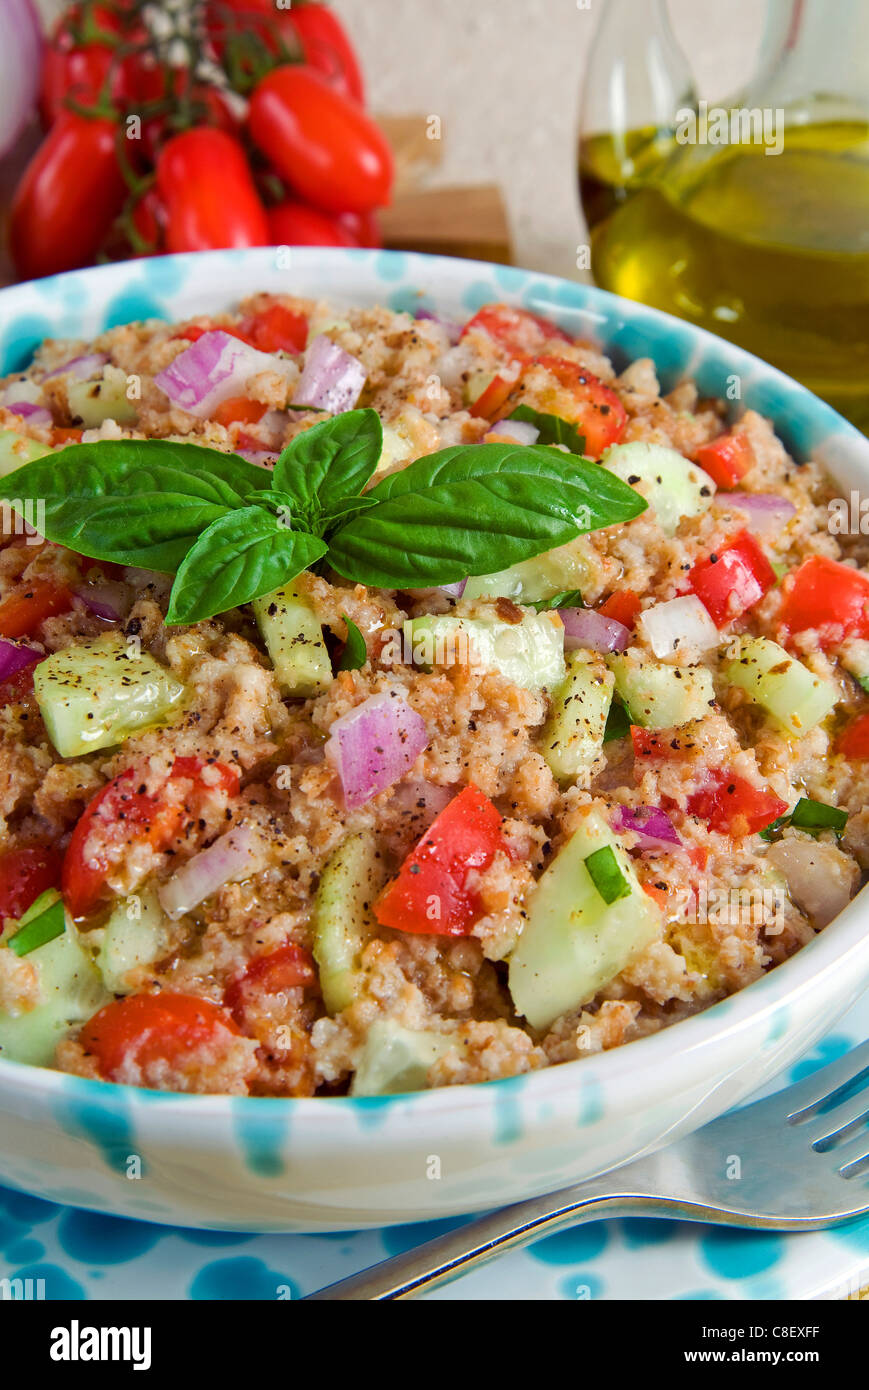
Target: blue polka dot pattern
column 245, row 1278
column 575, row 1245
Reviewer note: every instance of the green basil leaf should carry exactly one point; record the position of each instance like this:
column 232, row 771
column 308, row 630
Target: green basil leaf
column 332, row 460
column 568, row 598
column 135, row 501
column 553, row 430
column 346, row 507
column 355, row 653
column 242, row 556
column 477, row 509
column 618, row 724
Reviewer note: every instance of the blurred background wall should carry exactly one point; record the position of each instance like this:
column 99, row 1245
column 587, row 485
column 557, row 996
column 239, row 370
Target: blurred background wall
column 504, row 77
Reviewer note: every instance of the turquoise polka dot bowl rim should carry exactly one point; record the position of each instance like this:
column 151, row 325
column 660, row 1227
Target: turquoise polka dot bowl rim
column 252, row 1164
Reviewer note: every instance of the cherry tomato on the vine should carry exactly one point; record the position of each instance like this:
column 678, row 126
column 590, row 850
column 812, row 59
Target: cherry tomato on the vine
column 70, row 194
column 326, row 46
column 297, row 224
column 209, row 193
column 323, row 144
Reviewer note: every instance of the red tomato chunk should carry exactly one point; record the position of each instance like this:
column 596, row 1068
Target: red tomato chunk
column 733, row 579
column 829, row 597
column 734, row 806
column 435, row 890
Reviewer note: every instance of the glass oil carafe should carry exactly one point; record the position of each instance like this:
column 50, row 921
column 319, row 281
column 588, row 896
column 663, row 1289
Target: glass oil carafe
column 750, row 218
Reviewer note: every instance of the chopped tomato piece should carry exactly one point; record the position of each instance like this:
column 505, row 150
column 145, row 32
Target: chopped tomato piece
column 650, row 744
column 495, row 395
column 726, row 459
column 734, row 806
column 276, row 329
column 854, row 741
column 63, row 435
column 19, row 687
column 733, row 579
column 124, row 814
column 30, row 604
column 191, row 334
column 24, row 874
column 287, row 967
column 435, row 891
column 829, row 597
column 145, row 1031
column 240, row 409
column 658, row 895
column 597, row 411
column 515, row 329
column 622, row 607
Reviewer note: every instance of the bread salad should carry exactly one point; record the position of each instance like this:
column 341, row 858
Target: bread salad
column 389, row 703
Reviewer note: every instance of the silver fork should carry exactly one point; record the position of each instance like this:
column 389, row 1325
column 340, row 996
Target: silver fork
column 797, row 1161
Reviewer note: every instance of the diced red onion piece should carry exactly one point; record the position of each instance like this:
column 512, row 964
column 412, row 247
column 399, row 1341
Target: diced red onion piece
column 331, row 380
column 454, row 590
column 520, row 431
column 107, row 600
column 20, row 63
column 212, row 370
column 261, row 457
column 33, row 414
column 583, row 627
column 452, row 327
column 230, row 858
column 14, row 658
column 374, row 745
column 766, row 511
column 80, row 368
column 680, row 625
column 653, row 826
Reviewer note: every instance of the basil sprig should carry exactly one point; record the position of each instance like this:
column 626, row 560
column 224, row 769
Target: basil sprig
column 231, row 531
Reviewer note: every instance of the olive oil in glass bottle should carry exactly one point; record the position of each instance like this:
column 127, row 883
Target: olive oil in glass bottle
column 751, row 220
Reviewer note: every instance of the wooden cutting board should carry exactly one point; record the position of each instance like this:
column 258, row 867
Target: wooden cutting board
column 466, row 220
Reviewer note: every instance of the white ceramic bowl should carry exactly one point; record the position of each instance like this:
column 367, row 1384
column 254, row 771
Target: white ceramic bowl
column 332, row 1164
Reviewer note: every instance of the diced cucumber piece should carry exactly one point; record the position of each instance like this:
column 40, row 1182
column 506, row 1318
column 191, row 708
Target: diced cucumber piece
column 529, row 653
column 343, row 921
column 71, row 991
column 95, row 694
column 659, row 696
column 476, row 384
column 396, row 449
column 323, row 319
column 16, row 449
column 783, row 686
column 92, row 402
column 674, row 487
column 567, row 567
column 396, row 1059
column 295, row 642
column 137, row 933
column 574, row 734
column 573, row 942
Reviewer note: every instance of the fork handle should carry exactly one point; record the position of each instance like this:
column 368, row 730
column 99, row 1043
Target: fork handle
column 446, row 1257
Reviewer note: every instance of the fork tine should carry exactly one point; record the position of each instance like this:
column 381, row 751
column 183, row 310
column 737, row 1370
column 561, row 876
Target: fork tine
column 825, row 1128
column 804, row 1098
column 851, row 1153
